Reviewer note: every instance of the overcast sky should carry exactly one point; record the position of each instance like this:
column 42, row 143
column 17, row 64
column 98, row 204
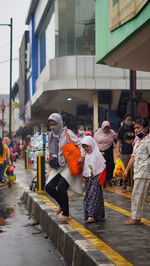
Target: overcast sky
column 17, row 9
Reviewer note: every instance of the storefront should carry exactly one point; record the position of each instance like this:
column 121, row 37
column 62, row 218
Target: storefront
column 123, row 40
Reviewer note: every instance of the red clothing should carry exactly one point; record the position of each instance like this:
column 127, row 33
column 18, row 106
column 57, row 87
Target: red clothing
column 12, row 155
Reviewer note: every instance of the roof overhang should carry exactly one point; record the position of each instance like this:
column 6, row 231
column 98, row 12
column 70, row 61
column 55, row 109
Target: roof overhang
column 134, row 53
column 126, row 45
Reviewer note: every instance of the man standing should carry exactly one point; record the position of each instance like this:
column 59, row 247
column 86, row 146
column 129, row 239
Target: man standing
column 125, row 141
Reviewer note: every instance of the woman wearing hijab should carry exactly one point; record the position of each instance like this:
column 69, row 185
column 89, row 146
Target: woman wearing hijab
column 94, row 165
column 105, row 138
column 60, row 178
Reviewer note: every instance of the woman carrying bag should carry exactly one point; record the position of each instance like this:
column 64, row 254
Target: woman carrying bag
column 105, row 138
column 60, row 178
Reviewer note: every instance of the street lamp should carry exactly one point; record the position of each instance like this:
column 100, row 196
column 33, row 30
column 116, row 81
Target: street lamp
column 10, row 82
column 2, row 105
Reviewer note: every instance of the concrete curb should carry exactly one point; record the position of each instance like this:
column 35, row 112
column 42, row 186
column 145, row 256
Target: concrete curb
column 73, row 247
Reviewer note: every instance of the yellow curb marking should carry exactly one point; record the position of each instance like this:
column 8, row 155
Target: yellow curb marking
column 118, row 209
column 127, row 213
column 118, row 191
column 94, row 240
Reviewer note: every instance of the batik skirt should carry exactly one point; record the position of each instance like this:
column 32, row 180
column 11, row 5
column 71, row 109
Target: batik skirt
column 93, row 200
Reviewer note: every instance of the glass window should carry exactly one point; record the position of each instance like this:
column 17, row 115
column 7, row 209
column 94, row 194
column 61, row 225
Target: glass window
column 42, row 51
column 76, row 27
column 47, row 39
column 85, row 27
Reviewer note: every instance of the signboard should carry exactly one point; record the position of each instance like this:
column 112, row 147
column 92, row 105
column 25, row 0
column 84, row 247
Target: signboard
column 28, row 111
column 120, row 11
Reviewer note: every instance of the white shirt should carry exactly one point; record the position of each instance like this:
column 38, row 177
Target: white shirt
column 141, row 153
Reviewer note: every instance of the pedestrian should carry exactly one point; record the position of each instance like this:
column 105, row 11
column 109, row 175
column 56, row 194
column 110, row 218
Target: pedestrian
column 94, row 165
column 60, row 178
column 3, row 157
column 80, row 131
column 29, row 149
column 6, row 141
column 140, row 158
column 25, row 145
column 105, row 138
column 13, row 153
column 125, row 141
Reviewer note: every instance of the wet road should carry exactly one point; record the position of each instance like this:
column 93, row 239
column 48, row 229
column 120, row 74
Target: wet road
column 130, row 242
column 21, row 243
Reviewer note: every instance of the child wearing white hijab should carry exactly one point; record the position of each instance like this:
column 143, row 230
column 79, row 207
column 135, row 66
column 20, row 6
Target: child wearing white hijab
column 94, row 165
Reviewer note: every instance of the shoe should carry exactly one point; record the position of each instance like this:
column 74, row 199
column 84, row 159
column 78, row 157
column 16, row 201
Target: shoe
column 64, row 218
column 133, row 222
column 91, row 220
column 124, row 190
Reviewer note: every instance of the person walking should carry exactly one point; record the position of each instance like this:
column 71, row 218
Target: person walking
column 94, row 165
column 125, row 142
column 3, row 157
column 60, row 178
column 140, row 158
column 12, row 151
column 105, row 138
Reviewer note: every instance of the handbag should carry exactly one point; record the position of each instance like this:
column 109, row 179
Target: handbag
column 53, row 162
column 72, row 154
column 102, row 177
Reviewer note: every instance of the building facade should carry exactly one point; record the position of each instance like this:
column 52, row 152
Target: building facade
column 61, row 74
column 125, row 27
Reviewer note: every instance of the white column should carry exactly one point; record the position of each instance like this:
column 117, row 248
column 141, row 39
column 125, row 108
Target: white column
column 95, row 110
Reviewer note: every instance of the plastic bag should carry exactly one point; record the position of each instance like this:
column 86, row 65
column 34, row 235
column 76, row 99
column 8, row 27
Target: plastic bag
column 119, row 168
column 72, row 155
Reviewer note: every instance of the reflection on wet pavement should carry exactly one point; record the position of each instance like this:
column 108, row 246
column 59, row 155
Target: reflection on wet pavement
column 4, row 214
column 6, row 211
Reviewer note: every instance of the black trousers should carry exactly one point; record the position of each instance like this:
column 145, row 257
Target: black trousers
column 57, row 188
column 108, row 155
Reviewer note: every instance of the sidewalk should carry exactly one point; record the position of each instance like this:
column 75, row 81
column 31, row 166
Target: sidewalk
column 108, row 242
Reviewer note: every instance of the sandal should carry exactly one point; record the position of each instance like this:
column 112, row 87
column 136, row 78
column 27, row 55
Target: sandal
column 90, row 220
column 64, row 218
column 58, row 211
column 133, row 222
column 124, row 189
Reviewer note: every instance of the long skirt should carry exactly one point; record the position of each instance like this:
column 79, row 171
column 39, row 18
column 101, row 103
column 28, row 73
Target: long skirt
column 93, row 200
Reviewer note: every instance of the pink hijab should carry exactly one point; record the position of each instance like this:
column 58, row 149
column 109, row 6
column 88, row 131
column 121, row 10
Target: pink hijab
column 105, row 140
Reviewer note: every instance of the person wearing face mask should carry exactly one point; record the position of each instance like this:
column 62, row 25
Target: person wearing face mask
column 105, row 139
column 80, row 131
column 140, row 159
column 125, row 141
column 60, row 178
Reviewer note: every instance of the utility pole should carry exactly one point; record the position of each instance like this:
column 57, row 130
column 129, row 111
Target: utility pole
column 2, row 105
column 133, row 92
